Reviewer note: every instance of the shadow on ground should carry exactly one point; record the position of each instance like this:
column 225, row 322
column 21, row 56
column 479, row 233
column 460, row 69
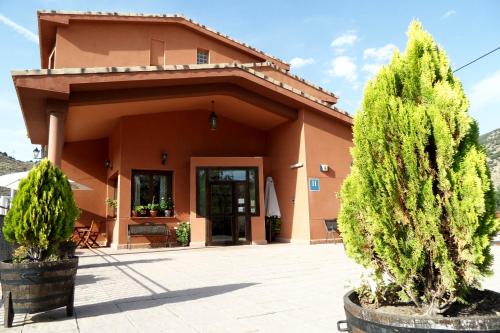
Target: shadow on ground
column 120, row 263
column 140, row 302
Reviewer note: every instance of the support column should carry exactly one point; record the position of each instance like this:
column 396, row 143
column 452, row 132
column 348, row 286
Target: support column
column 56, row 111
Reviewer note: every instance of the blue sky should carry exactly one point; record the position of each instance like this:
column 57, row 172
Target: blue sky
column 335, row 44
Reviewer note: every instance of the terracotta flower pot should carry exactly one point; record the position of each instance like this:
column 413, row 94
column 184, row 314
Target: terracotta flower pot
column 153, row 213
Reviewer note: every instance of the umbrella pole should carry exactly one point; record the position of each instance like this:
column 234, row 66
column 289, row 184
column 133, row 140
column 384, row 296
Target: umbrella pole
column 270, row 230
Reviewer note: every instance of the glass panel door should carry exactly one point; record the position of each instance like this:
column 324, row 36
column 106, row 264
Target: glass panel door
column 242, row 211
column 221, row 212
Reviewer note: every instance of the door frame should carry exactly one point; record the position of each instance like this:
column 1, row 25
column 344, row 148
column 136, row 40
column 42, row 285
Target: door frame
column 234, row 223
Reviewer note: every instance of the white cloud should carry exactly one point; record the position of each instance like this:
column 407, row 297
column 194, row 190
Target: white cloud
column 298, row 62
column 343, row 67
column 29, row 35
column 484, row 94
column 448, row 14
column 380, row 54
column 371, row 69
column 345, row 39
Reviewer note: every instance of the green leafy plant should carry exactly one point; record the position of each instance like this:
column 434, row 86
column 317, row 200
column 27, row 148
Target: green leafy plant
column 169, row 203
column 153, row 205
column 183, row 233
column 43, row 212
column 139, row 209
column 163, row 203
column 275, row 223
column 113, row 203
column 418, row 207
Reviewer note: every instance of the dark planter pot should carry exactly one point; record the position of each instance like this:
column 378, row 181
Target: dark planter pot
column 67, row 250
column 360, row 319
column 37, row 287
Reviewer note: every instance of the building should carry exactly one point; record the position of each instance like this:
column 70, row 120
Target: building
column 127, row 104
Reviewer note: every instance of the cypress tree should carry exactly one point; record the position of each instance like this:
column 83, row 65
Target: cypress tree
column 418, row 207
column 43, row 212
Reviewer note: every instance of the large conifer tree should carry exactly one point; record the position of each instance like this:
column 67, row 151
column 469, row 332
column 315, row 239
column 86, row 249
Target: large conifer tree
column 418, row 206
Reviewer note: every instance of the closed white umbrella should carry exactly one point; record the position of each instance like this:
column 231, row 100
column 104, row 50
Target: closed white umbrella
column 12, row 181
column 271, row 200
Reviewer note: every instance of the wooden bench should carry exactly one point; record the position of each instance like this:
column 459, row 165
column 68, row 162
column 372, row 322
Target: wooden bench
column 147, row 229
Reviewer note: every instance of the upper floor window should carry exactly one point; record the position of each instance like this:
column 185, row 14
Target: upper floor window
column 202, row 57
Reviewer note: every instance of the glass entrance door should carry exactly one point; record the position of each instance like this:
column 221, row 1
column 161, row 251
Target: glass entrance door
column 242, row 227
column 228, row 213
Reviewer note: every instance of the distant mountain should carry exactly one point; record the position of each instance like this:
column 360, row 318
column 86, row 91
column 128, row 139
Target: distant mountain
column 491, row 141
column 9, row 164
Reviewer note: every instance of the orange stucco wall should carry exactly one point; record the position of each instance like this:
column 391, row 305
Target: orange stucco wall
column 83, row 163
column 182, row 135
column 287, row 147
column 326, row 142
column 129, row 44
column 137, row 142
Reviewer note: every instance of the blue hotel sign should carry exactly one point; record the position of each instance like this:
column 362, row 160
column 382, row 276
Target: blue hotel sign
column 314, row 184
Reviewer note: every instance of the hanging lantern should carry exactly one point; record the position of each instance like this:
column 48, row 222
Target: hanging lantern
column 212, row 120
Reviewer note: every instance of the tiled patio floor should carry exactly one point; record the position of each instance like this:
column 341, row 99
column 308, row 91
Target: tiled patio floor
column 274, row 288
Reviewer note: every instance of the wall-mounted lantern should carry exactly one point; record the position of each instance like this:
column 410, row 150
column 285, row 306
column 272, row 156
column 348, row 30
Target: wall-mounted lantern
column 164, row 157
column 212, row 120
column 107, row 164
column 324, row 167
column 36, row 153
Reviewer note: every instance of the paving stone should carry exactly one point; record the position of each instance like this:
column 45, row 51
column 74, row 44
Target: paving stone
column 274, row 288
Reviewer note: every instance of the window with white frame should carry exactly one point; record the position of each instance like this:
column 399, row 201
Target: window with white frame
column 202, row 57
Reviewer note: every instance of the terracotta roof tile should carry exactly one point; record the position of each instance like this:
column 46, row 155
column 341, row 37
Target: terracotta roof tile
column 250, row 68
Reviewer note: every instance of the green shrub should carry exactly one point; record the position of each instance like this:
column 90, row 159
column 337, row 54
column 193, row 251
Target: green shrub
column 112, row 203
column 275, row 223
column 418, row 207
column 43, row 212
column 183, row 233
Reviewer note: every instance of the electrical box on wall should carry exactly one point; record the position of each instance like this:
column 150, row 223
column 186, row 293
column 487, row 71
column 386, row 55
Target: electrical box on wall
column 323, row 167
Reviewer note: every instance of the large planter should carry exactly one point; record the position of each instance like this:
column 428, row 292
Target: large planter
column 360, row 319
column 37, row 287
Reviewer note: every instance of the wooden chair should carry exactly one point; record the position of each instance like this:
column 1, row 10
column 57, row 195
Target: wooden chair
column 90, row 236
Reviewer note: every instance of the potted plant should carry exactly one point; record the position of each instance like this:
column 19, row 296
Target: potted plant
column 183, row 233
column 139, row 210
column 273, row 222
column 153, row 208
column 113, row 204
column 163, row 206
column 167, row 205
column 41, row 274
column 418, row 208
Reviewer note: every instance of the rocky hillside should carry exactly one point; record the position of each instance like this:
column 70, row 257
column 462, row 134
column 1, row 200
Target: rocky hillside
column 491, row 141
column 9, row 165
